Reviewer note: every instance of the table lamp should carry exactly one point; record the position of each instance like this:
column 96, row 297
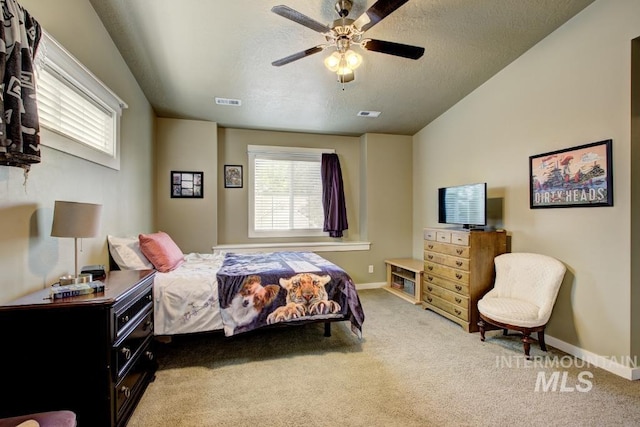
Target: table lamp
column 77, row 220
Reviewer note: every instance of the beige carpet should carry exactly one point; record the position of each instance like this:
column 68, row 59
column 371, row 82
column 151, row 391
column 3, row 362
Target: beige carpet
column 412, row 368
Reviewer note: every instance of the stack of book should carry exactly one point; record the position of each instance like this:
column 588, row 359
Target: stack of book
column 66, row 291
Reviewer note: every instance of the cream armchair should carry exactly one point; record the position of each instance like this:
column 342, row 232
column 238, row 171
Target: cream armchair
column 523, row 295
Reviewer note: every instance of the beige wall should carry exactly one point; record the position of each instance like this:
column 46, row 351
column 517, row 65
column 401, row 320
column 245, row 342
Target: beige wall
column 570, row 89
column 234, row 203
column 30, row 258
column 187, row 145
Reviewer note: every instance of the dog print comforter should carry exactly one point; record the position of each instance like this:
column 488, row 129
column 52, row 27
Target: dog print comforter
column 261, row 289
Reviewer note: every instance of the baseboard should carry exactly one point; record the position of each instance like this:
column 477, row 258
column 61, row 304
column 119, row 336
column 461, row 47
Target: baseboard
column 374, row 285
column 611, row 364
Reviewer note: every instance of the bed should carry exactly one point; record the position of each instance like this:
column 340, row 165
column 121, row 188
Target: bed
column 237, row 293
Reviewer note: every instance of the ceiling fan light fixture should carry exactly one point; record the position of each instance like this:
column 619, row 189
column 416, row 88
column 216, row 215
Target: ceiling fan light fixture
column 346, row 77
column 332, row 62
column 353, row 59
column 346, row 32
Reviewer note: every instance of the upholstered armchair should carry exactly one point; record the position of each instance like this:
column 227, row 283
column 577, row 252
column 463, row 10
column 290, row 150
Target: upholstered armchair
column 525, row 290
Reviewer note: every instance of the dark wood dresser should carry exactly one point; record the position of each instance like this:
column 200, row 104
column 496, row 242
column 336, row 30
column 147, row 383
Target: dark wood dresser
column 91, row 354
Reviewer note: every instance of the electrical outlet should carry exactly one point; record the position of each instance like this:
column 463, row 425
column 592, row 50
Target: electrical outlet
column 371, row 269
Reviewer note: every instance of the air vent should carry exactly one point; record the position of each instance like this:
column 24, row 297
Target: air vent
column 228, row 101
column 372, row 114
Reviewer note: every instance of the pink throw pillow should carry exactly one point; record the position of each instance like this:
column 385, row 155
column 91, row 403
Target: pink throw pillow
column 161, row 250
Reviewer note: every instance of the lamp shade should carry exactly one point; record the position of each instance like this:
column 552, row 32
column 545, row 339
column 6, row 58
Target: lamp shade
column 72, row 219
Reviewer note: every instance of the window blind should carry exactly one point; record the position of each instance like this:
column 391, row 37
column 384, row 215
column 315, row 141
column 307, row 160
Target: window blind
column 286, row 192
column 79, row 114
column 65, row 109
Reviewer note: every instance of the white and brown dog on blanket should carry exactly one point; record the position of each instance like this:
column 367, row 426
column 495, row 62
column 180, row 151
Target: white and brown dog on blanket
column 248, row 303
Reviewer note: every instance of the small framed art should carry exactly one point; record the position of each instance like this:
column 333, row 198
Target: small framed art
column 232, row 176
column 579, row 176
column 187, row 184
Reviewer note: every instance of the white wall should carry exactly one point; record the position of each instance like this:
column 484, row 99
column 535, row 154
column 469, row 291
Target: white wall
column 30, row 258
column 572, row 88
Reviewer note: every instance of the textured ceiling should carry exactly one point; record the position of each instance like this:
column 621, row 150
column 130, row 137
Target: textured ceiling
column 185, row 53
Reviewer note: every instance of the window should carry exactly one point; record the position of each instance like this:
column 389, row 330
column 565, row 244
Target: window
column 78, row 113
column 285, row 188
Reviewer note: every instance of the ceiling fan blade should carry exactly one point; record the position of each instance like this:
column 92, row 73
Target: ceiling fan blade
column 298, row 55
column 376, row 13
column 295, row 16
column 391, row 48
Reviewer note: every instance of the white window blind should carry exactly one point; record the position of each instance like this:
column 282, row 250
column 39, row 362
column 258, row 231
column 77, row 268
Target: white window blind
column 286, row 192
column 78, row 113
column 65, row 109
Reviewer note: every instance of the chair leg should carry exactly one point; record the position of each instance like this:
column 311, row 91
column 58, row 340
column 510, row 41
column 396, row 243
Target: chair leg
column 481, row 326
column 526, row 340
column 543, row 345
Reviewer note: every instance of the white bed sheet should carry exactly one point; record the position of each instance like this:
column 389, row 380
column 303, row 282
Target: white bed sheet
column 186, row 299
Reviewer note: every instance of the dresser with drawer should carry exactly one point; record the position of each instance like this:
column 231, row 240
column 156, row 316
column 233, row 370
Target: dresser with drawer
column 91, row 354
column 458, row 271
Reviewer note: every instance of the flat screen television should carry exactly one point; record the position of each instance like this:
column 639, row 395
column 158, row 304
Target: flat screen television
column 464, row 205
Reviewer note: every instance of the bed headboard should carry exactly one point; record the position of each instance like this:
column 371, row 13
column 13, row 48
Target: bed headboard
column 112, row 263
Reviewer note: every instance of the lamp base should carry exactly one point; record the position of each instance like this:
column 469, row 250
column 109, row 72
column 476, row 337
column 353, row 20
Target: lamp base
column 70, row 280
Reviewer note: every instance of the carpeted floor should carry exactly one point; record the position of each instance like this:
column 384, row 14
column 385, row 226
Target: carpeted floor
column 411, row 368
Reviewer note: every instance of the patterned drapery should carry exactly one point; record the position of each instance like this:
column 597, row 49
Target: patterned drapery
column 335, row 210
column 19, row 128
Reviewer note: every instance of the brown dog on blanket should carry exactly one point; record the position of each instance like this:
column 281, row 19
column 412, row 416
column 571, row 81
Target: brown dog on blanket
column 248, row 303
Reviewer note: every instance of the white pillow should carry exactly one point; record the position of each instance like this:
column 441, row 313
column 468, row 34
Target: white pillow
column 126, row 252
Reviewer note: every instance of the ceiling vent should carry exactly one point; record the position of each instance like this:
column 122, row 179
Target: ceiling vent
column 228, row 101
column 372, row 114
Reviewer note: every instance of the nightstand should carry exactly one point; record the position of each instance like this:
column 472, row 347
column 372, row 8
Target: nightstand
column 91, row 354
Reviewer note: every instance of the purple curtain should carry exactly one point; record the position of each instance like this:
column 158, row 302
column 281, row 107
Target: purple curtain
column 335, row 211
column 19, row 127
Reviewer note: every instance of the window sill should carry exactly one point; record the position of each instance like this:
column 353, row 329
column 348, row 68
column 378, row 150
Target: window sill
column 296, row 246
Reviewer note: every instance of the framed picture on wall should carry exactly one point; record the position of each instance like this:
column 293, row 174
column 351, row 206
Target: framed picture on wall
column 579, row 176
column 232, row 176
column 186, row 184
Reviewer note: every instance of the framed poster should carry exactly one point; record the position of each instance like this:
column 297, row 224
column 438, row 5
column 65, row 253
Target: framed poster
column 232, row 176
column 187, row 184
column 579, row 176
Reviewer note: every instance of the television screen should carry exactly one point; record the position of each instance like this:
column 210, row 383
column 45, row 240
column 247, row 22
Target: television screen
column 464, row 205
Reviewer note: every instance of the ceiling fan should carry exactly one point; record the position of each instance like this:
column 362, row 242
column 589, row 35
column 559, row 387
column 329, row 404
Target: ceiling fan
column 344, row 33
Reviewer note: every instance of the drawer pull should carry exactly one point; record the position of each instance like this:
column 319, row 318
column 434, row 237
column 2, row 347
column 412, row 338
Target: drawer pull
column 149, row 355
column 125, row 319
column 458, row 312
column 430, row 267
column 126, row 352
column 429, row 299
column 458, row 300
column 429, row 288
column 459, row 251
column 430, row 246
column 430, row 256
column 430, row 278
column 148, row 325
column 149, row 297
column 458, row 276
column 459, row 263
column 126, row 391
column 458, row 288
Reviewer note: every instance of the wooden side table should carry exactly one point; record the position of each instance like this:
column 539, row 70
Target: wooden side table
column 404, row 278
column 91, row 354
